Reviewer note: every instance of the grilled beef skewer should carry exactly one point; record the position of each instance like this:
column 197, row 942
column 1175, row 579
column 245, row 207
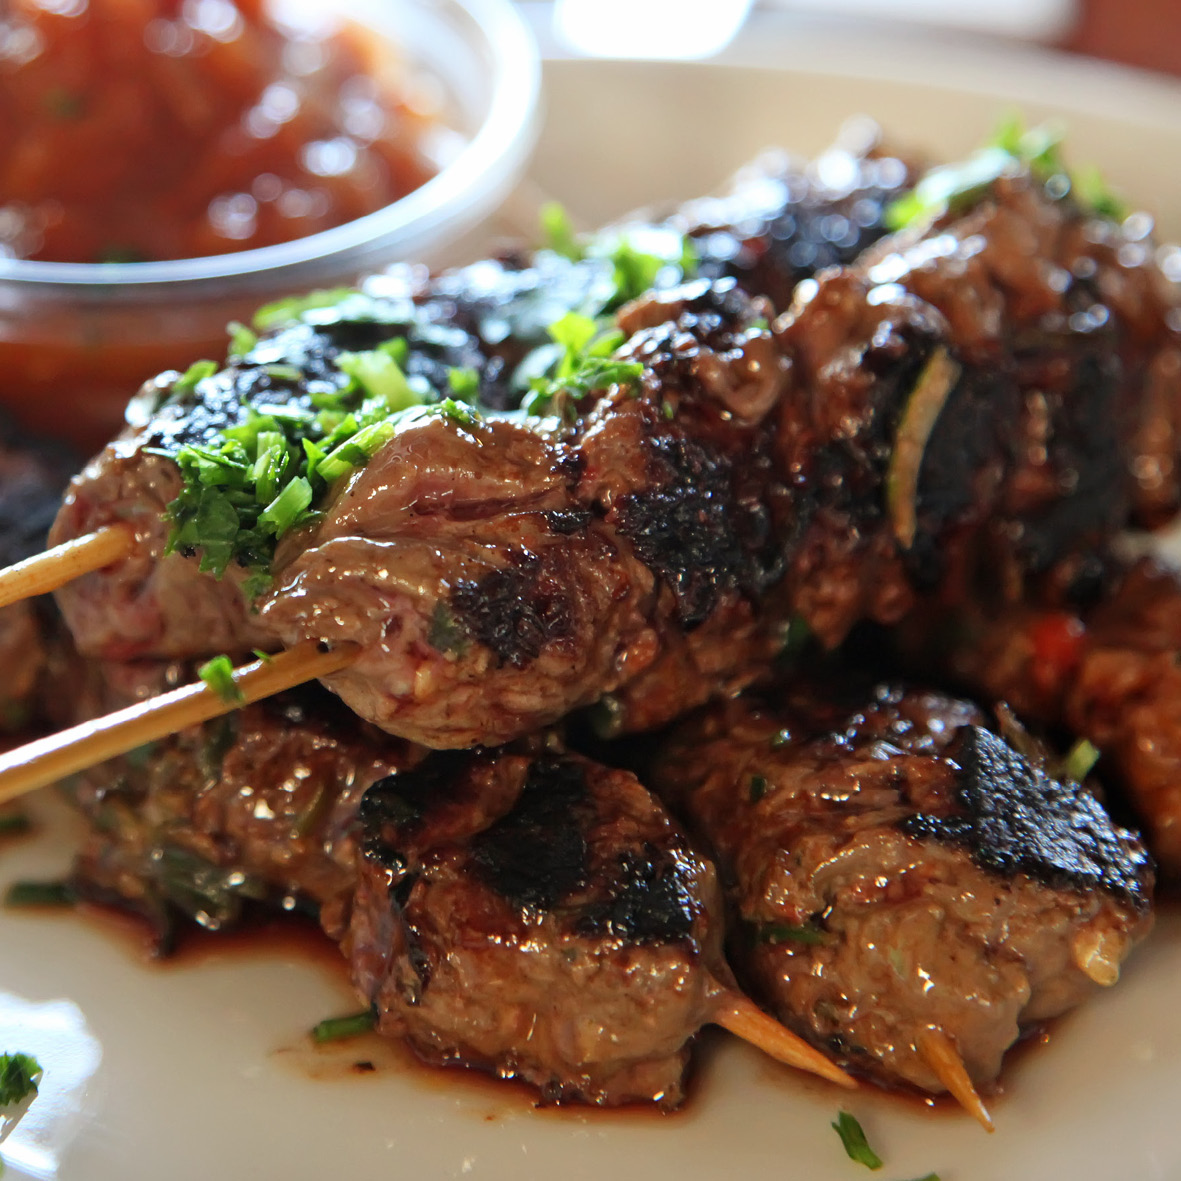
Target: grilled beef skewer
column 527, row 912
column 902, row 878
column 501, row 572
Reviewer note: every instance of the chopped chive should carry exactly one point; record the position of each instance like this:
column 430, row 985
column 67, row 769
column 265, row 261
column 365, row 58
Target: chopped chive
column 242, row 339
column 40, row 894
column 198, row 371
column 1080, row 760
column 464, row 383
column 19, row 1076
column 790, row 933
column 758, row 788
column 853, row 1138
column 558, row 233
column 218, row 674
column 335, row 1028
column 14, row 824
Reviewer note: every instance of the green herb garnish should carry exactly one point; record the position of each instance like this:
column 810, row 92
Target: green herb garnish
column 789, row 933
column 558, row 234
column 13, row 824
column 853, row 1139
column 758, row 788
column 19, row 1076
column 335, row 1028
column 198, row 371
column 40, row 894
column 288, row 311
column 585, row 364
column 218, row 674
column 1080, row 760
column 951, row 187
column 242, row 339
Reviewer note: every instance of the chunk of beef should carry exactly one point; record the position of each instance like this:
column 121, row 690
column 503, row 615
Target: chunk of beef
column 258, row 806
column 895, row 867
column 539, row 916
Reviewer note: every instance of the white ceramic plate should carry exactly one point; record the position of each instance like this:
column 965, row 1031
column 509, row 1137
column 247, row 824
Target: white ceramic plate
column 200, row 1070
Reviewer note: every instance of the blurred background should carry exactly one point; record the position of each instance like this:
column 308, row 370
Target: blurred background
column 1145, row 33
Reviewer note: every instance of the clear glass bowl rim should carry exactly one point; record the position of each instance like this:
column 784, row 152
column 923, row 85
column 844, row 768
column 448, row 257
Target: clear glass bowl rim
column 495, row 150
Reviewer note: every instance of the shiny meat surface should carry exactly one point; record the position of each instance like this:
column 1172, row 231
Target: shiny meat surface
column 147, row 605
column 1107, row 671
column 647, row 545
column 1076, row 312
column 537, row 916
column 258, row 806
column 895, row 867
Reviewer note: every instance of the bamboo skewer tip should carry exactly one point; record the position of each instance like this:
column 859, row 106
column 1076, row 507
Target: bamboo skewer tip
column 743, row 1018
column 938, row 1051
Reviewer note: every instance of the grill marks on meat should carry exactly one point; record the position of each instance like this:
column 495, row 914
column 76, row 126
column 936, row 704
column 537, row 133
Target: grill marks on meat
column 689, row 529
column 1014, row 818
column 516, row 611
column 541, row 917
column 783, row 221
column 882, row 890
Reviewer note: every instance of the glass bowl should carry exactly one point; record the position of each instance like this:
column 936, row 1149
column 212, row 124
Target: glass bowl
column 77, row 339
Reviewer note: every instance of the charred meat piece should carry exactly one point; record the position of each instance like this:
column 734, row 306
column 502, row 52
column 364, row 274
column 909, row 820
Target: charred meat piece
column 1108, row 670
column 257, row 807
column 895, row 867
column 539, row 916
column 1075, row 310
column 784, row 219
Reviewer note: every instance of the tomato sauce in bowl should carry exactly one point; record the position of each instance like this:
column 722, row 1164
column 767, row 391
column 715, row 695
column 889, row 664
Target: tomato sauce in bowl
column 157, row 129
column 167, row 166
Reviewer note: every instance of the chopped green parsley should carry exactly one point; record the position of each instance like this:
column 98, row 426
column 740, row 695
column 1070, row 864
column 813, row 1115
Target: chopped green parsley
column 218, row 674
column 584, row 364
column 19, row 1076
column 955, row 186
column 335, row 1028
column 1080, row 760
column 853, row 1138
column 774, row 933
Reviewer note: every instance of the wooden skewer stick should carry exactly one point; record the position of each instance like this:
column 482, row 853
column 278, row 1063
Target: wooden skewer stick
column 937, row 1051
column 49, row 759
column 55, row 567
column 743, row 1018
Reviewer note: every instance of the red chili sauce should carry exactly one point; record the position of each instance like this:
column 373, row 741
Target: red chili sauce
column 135, row 130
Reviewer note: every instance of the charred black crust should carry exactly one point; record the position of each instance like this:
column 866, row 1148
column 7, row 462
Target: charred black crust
column 537, row 855
column 393, row 808
column 515, row 611
column 693, row 529
column 1015, row 819
column 567, row 521
column 967, row 448
column 1086, row 453
column 802, row 231
column 650, row 900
